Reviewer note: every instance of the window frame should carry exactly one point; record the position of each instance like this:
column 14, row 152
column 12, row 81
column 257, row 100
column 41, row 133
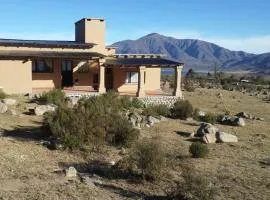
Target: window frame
column 128, row 79
column 49, row 69
column 66, row 61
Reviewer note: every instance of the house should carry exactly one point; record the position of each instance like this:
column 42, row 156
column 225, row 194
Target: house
column 86, row 64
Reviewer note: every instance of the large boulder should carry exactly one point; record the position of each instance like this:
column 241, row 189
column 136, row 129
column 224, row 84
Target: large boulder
column 9, row 101
column 209, row 138
column 226, row 137
column 42, row 109
column 3, row 108
column 238, row 121
column 206, row 128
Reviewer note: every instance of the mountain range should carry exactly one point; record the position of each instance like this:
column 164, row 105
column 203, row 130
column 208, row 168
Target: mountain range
column 197, row 54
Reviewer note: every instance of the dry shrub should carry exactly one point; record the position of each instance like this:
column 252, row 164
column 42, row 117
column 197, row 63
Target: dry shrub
column 94, row 121
column 209, row 118
column 189, row 85
column 3, row 95
column 56, row 96
column 157, row 110
column 148, row 157
column 198, row 150
column 182, row 109
column 194, row 187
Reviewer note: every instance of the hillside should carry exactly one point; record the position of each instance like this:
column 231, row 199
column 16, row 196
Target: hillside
column 197, row 54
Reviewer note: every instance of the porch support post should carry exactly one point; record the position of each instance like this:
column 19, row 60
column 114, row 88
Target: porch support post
column 177, row 87
column 101, row 88
column 141, row 84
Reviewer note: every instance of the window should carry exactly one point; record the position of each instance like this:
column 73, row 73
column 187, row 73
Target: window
column 132, row 77
column 44, row 66
column 66, row 66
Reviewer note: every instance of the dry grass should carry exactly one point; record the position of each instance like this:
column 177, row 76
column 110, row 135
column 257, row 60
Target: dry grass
column 27, row 168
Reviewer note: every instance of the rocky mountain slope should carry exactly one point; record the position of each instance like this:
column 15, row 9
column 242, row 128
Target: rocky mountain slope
column 197, row 54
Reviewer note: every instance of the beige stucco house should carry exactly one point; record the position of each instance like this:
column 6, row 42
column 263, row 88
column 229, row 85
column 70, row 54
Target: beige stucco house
column 86, row 64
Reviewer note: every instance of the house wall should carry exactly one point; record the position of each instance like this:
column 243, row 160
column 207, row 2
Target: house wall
column 16, row 76
column 47, row 81
column 152, row 79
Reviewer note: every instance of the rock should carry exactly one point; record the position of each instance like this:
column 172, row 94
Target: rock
column 192, row 135
column 123, row 151
column 225, row 119
column 163, row 119
column 201, row 114
column 71, row 172
column 88, row 181
column 226, row 137
column 206, row 128
column 189, row 119
column 42, row 109
column 152, row 120
column 112, row 162
column 9, row 101
column 238, row 121
column 3, row 108
column 209, row 138
column 260, row 119
column 243, row 115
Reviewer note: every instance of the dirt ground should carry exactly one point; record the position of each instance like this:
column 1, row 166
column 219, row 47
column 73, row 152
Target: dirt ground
column 28, row 169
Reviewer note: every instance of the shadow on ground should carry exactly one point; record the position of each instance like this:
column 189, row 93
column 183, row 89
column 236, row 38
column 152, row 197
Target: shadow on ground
column 104, row 172
column 26, row 133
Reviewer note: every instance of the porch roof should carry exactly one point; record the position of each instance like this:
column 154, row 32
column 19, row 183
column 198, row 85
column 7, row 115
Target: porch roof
column 45, row 43
column 22, row 55
column 158, row 61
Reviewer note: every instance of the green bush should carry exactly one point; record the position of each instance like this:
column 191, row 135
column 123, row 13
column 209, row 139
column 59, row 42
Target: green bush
column 56, row 97
column 128, row 102
column 157, row 110
column 210, row 118
column 93, row 122
column 149, row 158
column 194, row 187
column 182, row 109
column 198, row 150
column 3, row 95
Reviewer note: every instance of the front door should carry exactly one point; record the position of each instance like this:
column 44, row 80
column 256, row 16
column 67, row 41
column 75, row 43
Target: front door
column 67, row 73
column 109, row 78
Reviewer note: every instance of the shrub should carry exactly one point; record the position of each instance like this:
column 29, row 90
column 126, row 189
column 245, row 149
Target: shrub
column 149, row 157
column 198, row 150
column 56, row 97
column 2, row 94
column 189, row 85
column 182, row 109
column 157, row 110
column 194, row 187
column 195, row 114
column 128, row 102
column 210, row 118
column 94, row 121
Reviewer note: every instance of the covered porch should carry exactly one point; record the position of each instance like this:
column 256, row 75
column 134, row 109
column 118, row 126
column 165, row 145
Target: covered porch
column 137, row 75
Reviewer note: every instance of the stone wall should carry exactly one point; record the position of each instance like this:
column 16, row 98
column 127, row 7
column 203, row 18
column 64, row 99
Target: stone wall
column 167, row 100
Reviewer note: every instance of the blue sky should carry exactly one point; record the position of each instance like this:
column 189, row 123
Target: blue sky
column 234, row 24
